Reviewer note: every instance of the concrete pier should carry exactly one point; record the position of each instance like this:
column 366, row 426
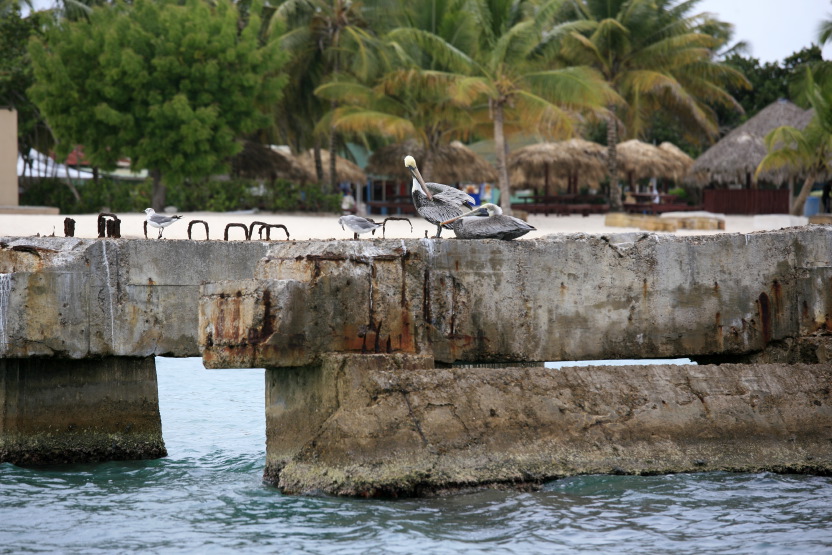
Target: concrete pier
column 410, row 367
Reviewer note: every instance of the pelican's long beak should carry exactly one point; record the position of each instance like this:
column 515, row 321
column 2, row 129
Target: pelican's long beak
column 477, row 212
column 415, row 171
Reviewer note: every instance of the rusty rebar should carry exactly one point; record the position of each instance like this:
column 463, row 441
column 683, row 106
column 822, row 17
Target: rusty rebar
column 245, row 230
column 203, row 222
column 268, row 228
column 251, row 228
column 109, row 228
column 399, row 218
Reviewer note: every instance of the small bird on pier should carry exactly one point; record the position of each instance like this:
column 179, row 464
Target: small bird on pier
column 488, row 222
column 436, row 202
column 357, row 225
column 158, row 220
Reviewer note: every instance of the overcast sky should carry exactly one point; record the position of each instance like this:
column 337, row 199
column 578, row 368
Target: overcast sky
column 774, row 29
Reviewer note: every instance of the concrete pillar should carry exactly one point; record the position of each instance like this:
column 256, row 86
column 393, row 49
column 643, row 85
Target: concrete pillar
column 65, row 411
column 8, row 157
column 301, row 400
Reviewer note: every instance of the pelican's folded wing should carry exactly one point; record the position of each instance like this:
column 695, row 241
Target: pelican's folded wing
column 450, row 194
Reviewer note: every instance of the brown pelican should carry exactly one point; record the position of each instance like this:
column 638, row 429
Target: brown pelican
column 158, row 220
column 436, row 202
column 488, row 222
column 357, row 225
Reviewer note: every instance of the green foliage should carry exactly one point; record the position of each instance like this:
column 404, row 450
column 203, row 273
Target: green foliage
column 107, row 195
column 212, row 195
column 680, row 192
column 16, row 74
column 169, row 85
column 245, row 194
column 285, row 196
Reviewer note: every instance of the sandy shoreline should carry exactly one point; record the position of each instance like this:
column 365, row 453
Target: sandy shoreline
column 325, row 226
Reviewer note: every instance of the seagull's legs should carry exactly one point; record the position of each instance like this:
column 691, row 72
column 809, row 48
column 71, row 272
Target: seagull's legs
column 161, row 229
column 438, row 232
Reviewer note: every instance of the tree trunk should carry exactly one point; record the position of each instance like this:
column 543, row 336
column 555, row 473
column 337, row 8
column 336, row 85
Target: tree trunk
column 500, row 152
column 319, row 165
column 800, row 201
column 333, row 175
column 157, row 201
column 612, row 165
column 71, row 186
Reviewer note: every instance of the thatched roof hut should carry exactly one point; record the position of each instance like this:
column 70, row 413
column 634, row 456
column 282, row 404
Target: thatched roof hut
column 681, row 162
column 640, row 160
column 346, row 171
column 257, row 160
column 735, row 158
column 451, row 164
column 560, row 164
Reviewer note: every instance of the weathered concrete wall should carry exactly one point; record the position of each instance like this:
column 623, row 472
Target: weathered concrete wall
column 564, row 297
column 373, row 425
column 76, row 298
column 58, row 411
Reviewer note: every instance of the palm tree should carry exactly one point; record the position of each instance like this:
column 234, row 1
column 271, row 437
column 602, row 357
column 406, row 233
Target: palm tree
column 404, row 104
column 809, row 150
column 657, row 57
column 504, row 72
column 326, row 38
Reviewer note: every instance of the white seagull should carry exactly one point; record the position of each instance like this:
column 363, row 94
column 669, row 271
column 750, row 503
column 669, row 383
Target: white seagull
column 357, row 225
column 158, row 220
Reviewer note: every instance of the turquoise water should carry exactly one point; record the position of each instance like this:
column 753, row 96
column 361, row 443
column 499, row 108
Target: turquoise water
column 207, row 497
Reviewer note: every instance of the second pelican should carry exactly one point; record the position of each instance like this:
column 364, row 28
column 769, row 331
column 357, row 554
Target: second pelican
column 436, row 202
column 488, row 222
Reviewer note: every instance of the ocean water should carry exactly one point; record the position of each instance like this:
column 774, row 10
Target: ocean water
column 207, row 497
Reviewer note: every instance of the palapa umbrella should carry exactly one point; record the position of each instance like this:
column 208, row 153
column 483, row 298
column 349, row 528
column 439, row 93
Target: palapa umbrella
column 260, row 161
column 557, row 163
column 735, row 157
column 679, row 158
column 640, row 160
column 451, row 164
column 346, row 171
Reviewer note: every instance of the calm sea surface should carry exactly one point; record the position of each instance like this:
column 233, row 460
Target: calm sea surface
column 207, row 497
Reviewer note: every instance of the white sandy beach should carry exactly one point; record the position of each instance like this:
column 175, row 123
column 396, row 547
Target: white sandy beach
column 325, row 226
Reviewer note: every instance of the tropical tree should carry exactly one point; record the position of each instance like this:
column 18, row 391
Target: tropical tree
column 325, row 38
column 412, row 99
column 506, row 72
column 170, row 86
column 16, row 76
column 808, row 151
column 657, row 56
column 404, row 104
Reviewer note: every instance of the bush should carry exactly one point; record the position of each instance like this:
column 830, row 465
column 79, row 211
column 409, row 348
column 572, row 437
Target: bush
column 108, row 195
column 285, row 196
column 680, row 193
column 116, row 196
column 212, row 196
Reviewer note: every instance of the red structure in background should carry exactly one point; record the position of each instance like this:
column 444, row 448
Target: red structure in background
column 747, row 201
